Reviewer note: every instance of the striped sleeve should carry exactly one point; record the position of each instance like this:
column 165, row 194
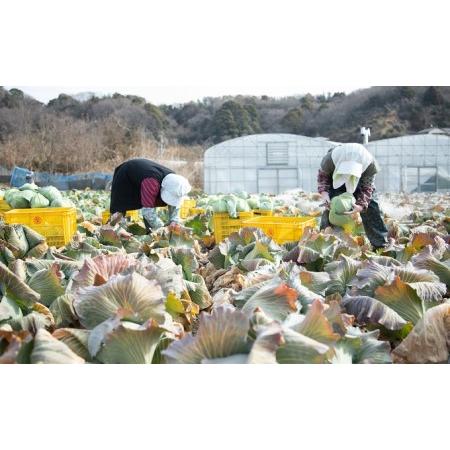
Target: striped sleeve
column 366, row 188
column 150, row 190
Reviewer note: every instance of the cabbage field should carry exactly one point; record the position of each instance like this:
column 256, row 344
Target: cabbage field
column 120, row 295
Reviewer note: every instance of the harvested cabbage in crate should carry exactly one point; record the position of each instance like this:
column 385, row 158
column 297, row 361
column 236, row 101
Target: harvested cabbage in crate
column 30, row 195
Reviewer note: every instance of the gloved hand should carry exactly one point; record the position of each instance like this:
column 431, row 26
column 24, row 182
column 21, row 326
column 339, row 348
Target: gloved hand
column 124, row 234
column 115, row 218
column 356, row 209
column 175, row 226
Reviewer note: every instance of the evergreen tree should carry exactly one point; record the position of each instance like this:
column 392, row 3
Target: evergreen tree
column 223, row 126
column 307, row 102
column 432, row 96
column 406, row 92
column 233, row 120
column 254, row 118
column 240, row 116
column 292, row 121
column 157, row 115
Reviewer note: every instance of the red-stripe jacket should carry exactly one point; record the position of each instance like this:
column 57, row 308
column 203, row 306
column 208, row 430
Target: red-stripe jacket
column 151, row 193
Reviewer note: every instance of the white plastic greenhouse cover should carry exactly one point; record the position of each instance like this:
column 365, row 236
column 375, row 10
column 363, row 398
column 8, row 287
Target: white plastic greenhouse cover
column 264, row 163
column 415, row 163
column 279, row 162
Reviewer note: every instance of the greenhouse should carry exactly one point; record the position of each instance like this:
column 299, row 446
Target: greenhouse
column 415, row 163
column 264, row 163
column 278, row 162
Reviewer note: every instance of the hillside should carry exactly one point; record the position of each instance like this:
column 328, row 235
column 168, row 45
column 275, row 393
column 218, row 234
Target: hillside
column 79, row 133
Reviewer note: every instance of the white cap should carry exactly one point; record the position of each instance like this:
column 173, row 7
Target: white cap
column 173, row 188
column 349, row 168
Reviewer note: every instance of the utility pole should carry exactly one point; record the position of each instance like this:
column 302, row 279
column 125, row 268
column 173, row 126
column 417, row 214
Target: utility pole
column 162, row 147
column 365, row 133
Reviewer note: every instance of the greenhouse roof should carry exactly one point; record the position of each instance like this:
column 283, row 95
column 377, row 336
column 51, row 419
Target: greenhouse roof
column 257, row 138
column 434, row 130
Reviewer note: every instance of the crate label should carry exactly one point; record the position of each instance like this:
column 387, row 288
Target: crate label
column 37, row 220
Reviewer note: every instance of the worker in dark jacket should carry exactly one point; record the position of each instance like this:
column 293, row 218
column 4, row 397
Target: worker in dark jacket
column 144, row 184
column 352, row 168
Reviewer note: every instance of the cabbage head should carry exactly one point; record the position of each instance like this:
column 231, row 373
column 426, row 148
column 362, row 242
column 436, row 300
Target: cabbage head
column 39, row 201
column 242, row 194
column 253, row 202
column 10, row 193
column 21, row 199
column 265, row 203
column 339, row 205
column 231, row 205
column 50, row 193
column 62, row 203
column 342, row 203
column 242, row 205
column 204, row 202
column 219, row 206
column 29, row 187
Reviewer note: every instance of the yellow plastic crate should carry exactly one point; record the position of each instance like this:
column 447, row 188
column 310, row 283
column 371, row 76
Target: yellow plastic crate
column 132, row 215
column 185, row 208
column 195, row 211
column 263, row 212
column 58, row 225
column 282, row 229
column 3, row 208
column 224, row 225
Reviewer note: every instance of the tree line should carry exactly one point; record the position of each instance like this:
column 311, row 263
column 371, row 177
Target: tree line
column 70, row 134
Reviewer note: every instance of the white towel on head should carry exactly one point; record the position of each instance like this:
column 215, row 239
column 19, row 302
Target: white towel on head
column 350, row 161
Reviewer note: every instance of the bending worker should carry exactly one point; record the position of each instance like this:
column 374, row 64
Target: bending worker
column 351, row 168
column 143, row 184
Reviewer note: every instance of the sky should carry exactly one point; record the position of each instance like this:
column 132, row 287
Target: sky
column 172, row 95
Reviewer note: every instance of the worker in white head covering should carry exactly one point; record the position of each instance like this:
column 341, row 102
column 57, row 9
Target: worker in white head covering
column 352, row 168
column 350, row 162
column 143, row 184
